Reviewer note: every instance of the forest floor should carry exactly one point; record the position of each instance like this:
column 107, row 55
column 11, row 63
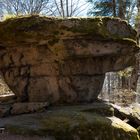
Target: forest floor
column 121, row 97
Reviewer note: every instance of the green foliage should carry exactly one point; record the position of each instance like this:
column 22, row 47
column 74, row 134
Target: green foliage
column 126, row 72
column 105, row 8
column 101, row 8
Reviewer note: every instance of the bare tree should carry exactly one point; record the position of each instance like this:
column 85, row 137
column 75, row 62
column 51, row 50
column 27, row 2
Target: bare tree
column 130, row 14
column 122, row 9
column 135, row 76
column 22, row 7
column 35, row 6
column 67, row 8
column 114, row 7
column 62, row 8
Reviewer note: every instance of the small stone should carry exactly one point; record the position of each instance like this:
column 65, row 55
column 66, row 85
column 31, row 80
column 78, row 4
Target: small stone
column 2, row 130
column 22, row 108
column 10, row 98
column 4, row 111
column 132, row 113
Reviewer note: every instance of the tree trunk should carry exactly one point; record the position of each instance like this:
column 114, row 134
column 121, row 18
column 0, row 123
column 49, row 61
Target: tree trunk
column 114, row 7
column 134, row 76
column 62, row 8
column 122, row 9
column 138, row 21
column 67, row 8
column 125, row 84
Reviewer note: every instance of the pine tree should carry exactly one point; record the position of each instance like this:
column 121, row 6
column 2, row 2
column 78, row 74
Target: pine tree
column 135, row 76
column 117, row 8
column 103, row 8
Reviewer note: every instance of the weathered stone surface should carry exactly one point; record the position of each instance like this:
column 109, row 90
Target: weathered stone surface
column 138, row 129
column 72, row 123
column 10, row 98
column 22, row 108
column 131, row 113
column 63, row 60
column 5, row 110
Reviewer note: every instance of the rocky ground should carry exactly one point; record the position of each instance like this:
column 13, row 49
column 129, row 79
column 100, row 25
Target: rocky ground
column 19, row 137
column 80, row 122
column 5, row 91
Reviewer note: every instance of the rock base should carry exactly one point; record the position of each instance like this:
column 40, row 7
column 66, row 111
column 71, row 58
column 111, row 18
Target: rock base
column 83, row 122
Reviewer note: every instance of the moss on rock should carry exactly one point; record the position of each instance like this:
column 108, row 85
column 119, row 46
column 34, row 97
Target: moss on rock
column 35, row 27
column 70, row 123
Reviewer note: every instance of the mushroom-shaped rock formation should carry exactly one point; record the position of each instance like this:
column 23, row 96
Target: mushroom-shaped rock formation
column 63, row 60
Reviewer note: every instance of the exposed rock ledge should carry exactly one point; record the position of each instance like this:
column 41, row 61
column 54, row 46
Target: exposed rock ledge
column 95, row 121
column 63, row 60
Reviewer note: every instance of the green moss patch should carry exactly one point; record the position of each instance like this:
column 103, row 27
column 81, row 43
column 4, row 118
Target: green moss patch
column 70, row 123
column 20, row 29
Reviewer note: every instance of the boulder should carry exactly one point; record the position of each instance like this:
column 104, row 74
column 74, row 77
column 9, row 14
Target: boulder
column 45, row 59
column 79, row 122
column 8, row 98
column 5, row 110
column 22, row 108
column 131, row 113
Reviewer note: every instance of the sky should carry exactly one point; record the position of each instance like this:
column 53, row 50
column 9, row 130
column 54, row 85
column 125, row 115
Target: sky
column 85, row 7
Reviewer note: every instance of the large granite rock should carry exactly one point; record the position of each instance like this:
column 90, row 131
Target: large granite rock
column 63, row 60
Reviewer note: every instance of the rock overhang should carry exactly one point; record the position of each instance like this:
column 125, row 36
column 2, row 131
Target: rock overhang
column 102, row 28
column 71, row 55
column 71, row 38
